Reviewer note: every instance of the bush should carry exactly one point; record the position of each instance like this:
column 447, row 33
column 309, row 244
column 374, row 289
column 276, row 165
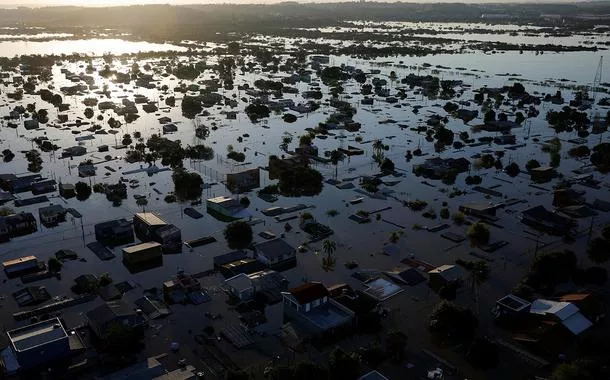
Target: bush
column 459, row 218
column 478, row 233
column 532, row 164
column 83, row 191
column 187, row 186
column 244, row 201
column 54, row 265
column 444, row 213
column 483, row 354
column 238, row 235
column 450, row 322
column 596, row 276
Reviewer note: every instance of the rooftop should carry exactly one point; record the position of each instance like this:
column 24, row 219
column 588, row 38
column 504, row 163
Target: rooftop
column 108, row 311
column 309, row 292
column 513, row 302
column 19, row 260
column 381, row 289
column 37, row 334
column 140, row 247
column 150, row 219
column 274, row 248
column 328, row 315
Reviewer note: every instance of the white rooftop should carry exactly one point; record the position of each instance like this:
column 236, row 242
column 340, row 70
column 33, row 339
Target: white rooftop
column 568, row 313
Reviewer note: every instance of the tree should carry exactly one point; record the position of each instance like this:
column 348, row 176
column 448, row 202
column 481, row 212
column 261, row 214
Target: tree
column 329, row 247
column 582, row 369
column 483, row 354
column 449, row 322
column 512, row 169
column 187, row 186
column 394, row 237
column 343, row 365
column 122, row 340
column 238, row 235
column 396, row 342
column 335, row 157
column 307, row 371
column 489, row 117
column 532, row 164
column 599, row 250
column 478, row 233
column 378, row 151
column 300, row 181
column 387, row 165
column 54, row 265
column 83, row 191
column 236, row 375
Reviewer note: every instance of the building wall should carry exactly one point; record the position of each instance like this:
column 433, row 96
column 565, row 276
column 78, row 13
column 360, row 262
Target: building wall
column 44, row 354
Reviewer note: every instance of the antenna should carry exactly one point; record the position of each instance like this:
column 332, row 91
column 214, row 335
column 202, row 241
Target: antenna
column 597, row 79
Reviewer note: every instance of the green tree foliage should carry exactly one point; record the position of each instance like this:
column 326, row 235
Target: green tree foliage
column 238, row 235
column 478, row 233
column 54, row 265
column 599, row 250
column 512, row 169
column 83, row 191
column 121, row 340
column 550, row 269
column 187, row 186
column 343, row 365
column 396, row 343
column 449, row 322
column 300, row 181
column 532, row 164
column 582, row 369
column 600, row 157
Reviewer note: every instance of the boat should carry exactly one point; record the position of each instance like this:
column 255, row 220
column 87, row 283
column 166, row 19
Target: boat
column 355, row 201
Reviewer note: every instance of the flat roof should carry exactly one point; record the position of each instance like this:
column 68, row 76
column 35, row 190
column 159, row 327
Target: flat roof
column 513, row 302
column 141, row 247
column 37, row 334
column 327, row 316
column 19, row 260
column 382, row 289
column 150, row 219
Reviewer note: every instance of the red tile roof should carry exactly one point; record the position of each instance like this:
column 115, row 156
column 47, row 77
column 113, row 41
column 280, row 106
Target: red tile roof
column 309, row 292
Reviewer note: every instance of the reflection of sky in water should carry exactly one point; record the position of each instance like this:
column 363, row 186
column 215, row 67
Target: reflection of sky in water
column 37, row 36
column 262, row 142
column 90, row 46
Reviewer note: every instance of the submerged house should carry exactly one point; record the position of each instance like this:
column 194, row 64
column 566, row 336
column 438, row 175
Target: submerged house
column 170, row 238
column 275, row 253
column 541, row 219
column 52, row 215
column 227, row 207
column 110, row 313
column 310, row 306
column 44, row 343
column 17, row 225
column 145, row 225
column 243, row 181
column 114, row 232
column 437, row 167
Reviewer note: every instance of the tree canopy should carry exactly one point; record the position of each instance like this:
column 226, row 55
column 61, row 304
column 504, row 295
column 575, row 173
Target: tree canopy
column 238, row 235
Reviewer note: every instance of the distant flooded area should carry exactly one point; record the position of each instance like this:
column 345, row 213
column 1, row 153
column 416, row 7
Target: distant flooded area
column 92, row 47
column 164, row 164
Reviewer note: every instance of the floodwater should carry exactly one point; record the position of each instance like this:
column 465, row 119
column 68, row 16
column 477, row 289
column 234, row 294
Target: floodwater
column 95, row 47
column 539, row 73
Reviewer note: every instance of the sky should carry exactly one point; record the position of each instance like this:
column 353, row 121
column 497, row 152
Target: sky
column 39, row 3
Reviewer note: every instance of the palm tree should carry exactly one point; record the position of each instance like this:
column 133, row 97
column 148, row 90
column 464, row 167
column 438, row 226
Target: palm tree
column 335, row 157
column 479, row 273
column 328, row 263
column 394, row 237
column 377, row 148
